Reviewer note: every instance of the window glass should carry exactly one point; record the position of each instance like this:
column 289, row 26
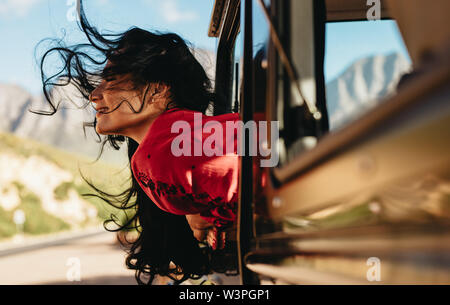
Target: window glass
column 237, row 73
column 363, row 63
column 261, row 32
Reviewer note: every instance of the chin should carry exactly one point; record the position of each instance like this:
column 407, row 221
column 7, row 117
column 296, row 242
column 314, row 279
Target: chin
column 102, row 131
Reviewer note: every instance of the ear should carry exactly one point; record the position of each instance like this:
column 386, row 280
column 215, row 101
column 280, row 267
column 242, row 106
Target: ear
column 159, row 94
column 161, row 90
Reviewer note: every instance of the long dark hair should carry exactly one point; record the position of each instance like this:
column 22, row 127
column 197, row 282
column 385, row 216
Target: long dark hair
column 165, row 245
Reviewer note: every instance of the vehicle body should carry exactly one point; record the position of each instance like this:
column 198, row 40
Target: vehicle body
column 366, row 203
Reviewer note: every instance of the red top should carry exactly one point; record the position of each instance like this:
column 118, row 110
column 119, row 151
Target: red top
column 189, row 184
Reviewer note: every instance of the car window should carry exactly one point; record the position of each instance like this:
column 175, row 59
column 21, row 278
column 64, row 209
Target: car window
column 364, row 62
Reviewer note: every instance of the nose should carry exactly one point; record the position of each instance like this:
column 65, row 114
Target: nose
column 96, row 95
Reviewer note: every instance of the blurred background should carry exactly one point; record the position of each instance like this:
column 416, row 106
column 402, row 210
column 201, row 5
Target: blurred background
column 49, row 233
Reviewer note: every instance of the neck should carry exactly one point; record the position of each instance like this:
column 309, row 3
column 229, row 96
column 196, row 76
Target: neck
column 138, row 132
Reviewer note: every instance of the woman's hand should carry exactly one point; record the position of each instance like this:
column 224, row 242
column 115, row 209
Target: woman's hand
column 199, row 226
column 204, row 230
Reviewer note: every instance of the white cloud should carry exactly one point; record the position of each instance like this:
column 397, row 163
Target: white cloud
column 16, row 7
column 171, row 12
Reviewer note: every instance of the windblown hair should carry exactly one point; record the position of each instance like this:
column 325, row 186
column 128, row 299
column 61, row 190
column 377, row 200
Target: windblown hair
column 165, row 245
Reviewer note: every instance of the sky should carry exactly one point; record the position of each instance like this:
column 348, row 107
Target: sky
column 350, row 41
column 23, row 23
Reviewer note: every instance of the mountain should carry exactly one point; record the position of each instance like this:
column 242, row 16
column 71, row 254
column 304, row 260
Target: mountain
column 363, row 85
column 14, row 102
column 207, row 59
column 64, row 129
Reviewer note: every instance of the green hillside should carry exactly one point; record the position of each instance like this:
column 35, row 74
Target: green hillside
column 107, row 177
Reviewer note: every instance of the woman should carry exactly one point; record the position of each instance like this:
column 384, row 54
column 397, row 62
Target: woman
column 140, row 83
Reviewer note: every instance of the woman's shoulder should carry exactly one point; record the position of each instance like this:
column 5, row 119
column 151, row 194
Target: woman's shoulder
column 175, row 113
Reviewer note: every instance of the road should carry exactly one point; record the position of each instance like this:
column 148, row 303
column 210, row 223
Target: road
column 90, row 260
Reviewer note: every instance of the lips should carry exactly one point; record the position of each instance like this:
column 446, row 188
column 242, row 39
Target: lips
column 101, row 109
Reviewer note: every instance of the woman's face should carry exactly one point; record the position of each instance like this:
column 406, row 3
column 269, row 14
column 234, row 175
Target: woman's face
column 114, row 100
